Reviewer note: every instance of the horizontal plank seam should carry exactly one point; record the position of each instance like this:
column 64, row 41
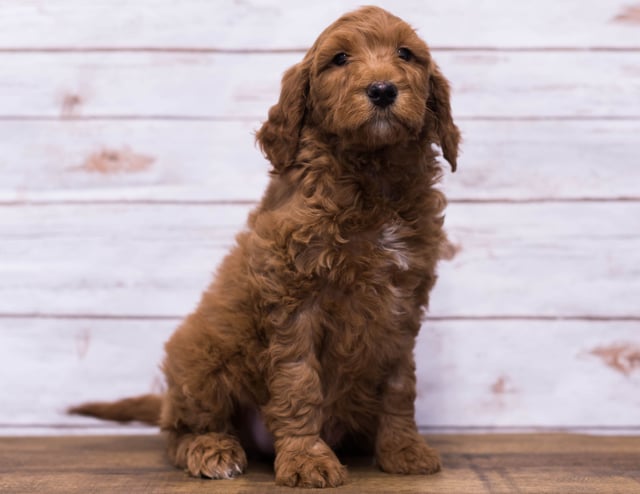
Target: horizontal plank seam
column 545, row 118
column 634, row 428
column 253, row 202
column 92, row 317
column 543, row 200
column 129, row 202
column 72, row 425
column 126, row 118
column 525, row 317
column 444, row 318
column 258, row 118
column 422, row 429
column 300, row 50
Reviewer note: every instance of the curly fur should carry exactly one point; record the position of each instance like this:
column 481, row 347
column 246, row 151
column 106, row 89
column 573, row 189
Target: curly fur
column 312, row 318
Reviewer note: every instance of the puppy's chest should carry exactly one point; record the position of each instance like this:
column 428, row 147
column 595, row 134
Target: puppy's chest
column 339, row 253
column 375, row 276
column 391, row 248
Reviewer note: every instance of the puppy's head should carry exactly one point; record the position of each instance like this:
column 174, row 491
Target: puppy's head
column 368, row 80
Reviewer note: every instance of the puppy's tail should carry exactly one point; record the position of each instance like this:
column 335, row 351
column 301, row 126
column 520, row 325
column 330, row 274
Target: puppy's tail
column 145, row 408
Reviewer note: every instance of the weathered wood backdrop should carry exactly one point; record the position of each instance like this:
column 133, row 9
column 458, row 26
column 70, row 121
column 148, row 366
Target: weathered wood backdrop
column 128, row 164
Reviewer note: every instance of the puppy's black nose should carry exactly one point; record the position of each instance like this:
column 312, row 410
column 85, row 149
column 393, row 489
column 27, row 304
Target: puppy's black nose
column 382, row 93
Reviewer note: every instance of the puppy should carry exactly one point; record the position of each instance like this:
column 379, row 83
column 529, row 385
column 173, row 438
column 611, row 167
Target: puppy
column 311, row 321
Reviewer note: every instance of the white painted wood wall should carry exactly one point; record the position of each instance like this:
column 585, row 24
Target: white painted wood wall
column 128, row 164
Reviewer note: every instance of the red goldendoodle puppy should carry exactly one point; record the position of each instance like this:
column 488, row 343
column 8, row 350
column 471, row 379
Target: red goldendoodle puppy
column 311, row 321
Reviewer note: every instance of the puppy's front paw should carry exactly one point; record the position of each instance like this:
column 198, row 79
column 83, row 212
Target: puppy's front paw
column 316, row 466
column 412, row 458
column 214, row 456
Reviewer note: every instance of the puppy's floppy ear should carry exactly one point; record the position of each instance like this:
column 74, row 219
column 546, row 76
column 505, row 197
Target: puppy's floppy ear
column 279, row 136
column 439, row 122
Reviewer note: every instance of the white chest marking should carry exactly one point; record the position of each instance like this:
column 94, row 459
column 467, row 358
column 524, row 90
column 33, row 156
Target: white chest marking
column 390, row 242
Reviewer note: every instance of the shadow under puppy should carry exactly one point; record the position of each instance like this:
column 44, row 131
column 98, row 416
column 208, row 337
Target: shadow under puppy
column 311, row 320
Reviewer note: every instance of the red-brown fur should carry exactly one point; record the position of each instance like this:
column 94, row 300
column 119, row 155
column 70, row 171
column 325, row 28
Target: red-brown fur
column 313, row 316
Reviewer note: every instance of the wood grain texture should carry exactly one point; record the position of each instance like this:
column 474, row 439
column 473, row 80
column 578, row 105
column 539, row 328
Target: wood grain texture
column 493, row 464
column 243, row 86
column 277, row 24
column 471, row 373
column 178, row 161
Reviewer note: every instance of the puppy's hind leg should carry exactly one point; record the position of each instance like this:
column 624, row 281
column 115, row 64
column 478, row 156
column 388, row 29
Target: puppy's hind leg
column 198, row 407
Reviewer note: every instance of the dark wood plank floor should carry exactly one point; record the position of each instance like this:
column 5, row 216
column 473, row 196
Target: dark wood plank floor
column 540, row 463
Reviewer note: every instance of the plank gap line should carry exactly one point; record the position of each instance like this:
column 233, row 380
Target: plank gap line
column 254, row 202
column 423, row 429
column 300, row 50
column 256, row 118
column 470, row 317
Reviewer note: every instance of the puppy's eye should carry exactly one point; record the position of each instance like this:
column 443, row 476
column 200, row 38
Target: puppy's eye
column 405, row 54
column 340, row 59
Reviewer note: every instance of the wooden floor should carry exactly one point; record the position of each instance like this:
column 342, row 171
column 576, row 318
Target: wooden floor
column 541, row 463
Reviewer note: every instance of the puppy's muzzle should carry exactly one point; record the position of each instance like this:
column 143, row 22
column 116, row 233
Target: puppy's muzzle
column 382, row 93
